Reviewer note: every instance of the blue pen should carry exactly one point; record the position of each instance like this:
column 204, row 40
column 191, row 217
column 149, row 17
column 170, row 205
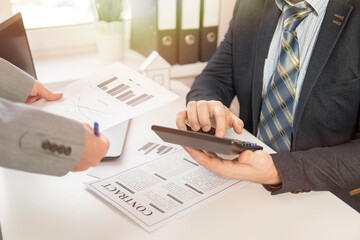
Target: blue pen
column 96, row 129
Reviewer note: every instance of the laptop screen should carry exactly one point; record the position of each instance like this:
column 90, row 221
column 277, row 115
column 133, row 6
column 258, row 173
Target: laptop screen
column 14, row 45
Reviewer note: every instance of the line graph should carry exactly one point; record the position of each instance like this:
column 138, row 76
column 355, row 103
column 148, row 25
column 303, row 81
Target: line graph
column 80, row 109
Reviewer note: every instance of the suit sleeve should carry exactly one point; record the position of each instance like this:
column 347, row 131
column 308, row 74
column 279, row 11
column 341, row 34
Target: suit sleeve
column 216, row 81
column 15, row 84
column 35, row 141
column 321, row 169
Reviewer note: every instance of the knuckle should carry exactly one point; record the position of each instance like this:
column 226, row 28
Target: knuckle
column 218, row 104
column 191, row 104
column 214, row 102
column 219, row 110
column 201, row 104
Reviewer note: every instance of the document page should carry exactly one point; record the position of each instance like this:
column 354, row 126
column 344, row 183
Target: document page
column 111, row 96
column 162, row 189
column 132, row 156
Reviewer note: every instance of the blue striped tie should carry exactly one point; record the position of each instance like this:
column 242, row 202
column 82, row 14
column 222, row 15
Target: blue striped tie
column 276, row 116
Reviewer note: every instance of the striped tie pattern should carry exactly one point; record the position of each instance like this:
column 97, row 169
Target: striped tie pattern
column 276, row 116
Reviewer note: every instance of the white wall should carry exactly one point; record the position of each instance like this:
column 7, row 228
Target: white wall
column 226, row 10
column 5, row 9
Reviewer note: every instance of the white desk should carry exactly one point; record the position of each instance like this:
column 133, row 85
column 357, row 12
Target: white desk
column 43, row 207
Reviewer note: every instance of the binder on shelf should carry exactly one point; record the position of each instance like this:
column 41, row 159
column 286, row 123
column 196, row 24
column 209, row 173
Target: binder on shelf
column 188, row 23
column 209, row 24
column 153, row 27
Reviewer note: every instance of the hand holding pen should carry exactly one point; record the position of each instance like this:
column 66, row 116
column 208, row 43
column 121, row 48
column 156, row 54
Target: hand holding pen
column 96, row 129
column 96, row 147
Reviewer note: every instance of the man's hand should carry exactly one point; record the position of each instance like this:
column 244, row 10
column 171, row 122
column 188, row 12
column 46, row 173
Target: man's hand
column 251, row 166
column 95, row 149
column 199, row 115
column 255, row 166
column 39, row 91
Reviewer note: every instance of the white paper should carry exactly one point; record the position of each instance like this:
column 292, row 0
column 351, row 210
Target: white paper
column 137, row 154
column 110, row 96
column 163, row 189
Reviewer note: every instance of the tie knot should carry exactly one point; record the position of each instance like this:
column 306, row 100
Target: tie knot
column 294, row 16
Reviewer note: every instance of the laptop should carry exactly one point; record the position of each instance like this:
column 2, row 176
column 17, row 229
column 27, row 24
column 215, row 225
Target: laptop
column 16, row 50
column 15, row 46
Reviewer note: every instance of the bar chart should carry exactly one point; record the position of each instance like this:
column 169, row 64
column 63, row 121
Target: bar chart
column 156, row 148
column 109, row 96
column 103, row 84
column 127, row 91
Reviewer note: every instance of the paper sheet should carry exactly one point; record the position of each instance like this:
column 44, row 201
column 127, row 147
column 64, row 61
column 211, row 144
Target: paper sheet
column 137, row 154
column 162, row 189
column 110, row 96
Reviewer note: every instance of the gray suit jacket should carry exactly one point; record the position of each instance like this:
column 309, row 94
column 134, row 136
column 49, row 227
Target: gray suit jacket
column 33, row 140
column 326, row 134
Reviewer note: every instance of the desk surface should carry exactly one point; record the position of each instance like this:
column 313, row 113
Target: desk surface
column 43, row 207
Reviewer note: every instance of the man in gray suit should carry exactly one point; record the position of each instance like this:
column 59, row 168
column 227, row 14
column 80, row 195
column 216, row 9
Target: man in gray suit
column 35, row 141
column 295, row 68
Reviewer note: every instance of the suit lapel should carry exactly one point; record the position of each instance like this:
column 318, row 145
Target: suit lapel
column 268, row 22
column 330, row 31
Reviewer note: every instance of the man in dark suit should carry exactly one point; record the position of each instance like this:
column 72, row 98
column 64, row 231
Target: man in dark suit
column 295, row 68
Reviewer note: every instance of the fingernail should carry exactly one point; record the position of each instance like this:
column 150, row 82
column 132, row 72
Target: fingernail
column 220, row 133
column 206, row 128
column 195, row 127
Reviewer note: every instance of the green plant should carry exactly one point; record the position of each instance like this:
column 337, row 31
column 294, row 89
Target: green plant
column 110, row 10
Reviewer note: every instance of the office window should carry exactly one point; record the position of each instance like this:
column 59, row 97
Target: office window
column 50, row 13
column 57, row 25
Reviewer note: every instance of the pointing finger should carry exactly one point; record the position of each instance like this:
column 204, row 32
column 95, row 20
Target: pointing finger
column 180, row 120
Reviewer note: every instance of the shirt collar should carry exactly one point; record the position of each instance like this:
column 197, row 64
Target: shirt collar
column 318, row 5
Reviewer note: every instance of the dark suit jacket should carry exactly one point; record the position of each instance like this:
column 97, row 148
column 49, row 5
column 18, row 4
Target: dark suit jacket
column 325, row 154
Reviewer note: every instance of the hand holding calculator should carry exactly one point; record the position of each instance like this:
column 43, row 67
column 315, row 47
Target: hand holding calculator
column 204, row 141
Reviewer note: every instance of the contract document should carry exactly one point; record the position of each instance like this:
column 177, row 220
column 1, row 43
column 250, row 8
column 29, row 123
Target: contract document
column 162, row 188
column 132, row 156
column 110, row 96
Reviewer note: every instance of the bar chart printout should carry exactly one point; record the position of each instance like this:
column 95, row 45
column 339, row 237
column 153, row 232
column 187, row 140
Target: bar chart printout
column 124, row 92
column 110, row 96
column 103, row 84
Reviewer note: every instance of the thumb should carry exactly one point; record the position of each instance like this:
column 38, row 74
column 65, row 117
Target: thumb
column 50, row 96
column 246, row 157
